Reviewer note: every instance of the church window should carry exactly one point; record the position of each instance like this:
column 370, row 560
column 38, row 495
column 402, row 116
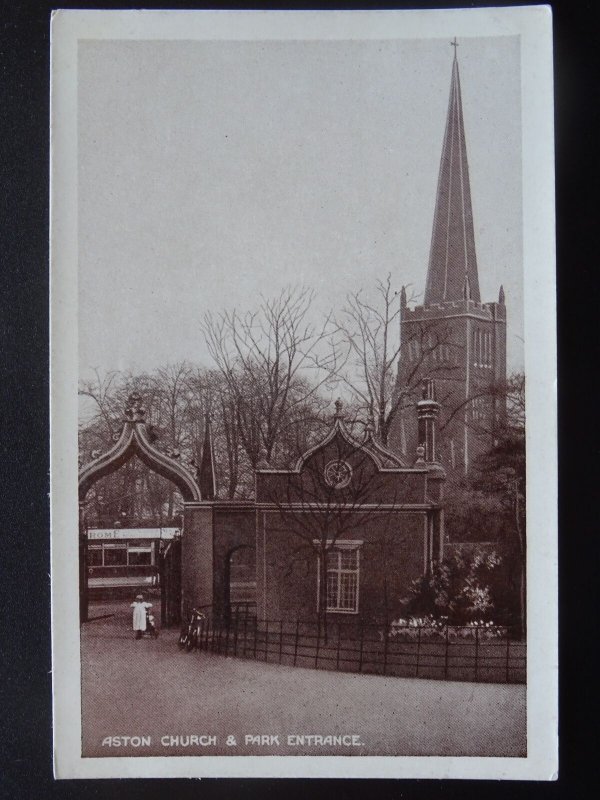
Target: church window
column 482, row 348
column 429, row 347
column 413, row 350
column 343, row 570
column 477, row 408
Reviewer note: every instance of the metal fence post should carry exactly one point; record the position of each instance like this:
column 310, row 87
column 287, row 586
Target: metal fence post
column 296, row 641
column 245, row 631
column 339, row 642
column 255, row 636
column 318, row 643
column 446, row 653
column 477, row 652
column 385, row 649
column 280, row 640
column 360, row 652
column 418, row 651
column 507, row 656
column 266, row 639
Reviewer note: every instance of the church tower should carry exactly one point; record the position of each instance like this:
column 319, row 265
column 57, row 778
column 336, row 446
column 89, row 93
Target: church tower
column 453, row 338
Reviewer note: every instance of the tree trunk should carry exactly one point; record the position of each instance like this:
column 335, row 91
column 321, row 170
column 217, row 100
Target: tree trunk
column 322, row 612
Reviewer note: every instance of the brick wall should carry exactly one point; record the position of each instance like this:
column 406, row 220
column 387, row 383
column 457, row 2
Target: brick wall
column 392, row 555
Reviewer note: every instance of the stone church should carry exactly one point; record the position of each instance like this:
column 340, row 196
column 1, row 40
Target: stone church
column 453, row 337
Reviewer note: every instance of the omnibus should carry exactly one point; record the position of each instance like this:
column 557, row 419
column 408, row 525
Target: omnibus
column 125, row 559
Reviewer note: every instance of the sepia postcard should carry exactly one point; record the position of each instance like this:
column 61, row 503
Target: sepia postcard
column 303, row 390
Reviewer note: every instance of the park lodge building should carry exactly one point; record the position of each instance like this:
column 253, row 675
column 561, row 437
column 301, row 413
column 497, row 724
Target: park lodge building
column 348, row 528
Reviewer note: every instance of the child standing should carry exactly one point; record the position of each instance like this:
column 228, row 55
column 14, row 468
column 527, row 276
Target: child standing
column 139, row 615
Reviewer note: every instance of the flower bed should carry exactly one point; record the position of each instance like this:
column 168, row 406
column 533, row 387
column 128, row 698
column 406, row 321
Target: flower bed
column 437, row 629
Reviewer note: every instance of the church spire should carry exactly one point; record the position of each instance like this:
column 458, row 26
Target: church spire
column 452, row 260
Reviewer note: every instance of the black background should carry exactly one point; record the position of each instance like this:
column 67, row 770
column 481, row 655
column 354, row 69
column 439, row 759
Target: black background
column 25, row 680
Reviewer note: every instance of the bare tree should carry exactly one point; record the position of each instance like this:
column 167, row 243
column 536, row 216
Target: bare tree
column 366, row 352
column 178, row 399
column 267, row 358
column 210, row 398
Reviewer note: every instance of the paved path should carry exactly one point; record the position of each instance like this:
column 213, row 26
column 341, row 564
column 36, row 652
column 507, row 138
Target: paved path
column 149, row 688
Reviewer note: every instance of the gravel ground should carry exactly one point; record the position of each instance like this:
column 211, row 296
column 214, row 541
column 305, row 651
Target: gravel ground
column 149, row 688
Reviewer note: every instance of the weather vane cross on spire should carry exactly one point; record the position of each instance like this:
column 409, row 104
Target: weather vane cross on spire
column 454, row 44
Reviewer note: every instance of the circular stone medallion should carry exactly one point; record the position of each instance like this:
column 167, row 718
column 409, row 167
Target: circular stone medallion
column 337, row 474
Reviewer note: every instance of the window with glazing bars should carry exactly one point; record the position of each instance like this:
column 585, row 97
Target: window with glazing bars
column 342, row 580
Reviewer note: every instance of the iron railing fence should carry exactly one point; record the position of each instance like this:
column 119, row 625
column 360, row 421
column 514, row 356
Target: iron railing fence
column 442, row 652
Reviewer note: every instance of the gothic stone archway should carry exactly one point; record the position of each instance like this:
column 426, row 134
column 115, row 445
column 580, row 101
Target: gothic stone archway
column 133, row 441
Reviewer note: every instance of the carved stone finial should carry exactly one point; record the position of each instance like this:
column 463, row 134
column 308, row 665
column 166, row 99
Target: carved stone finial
column 420, row 453
column 338, row 409
column 262, row 462
column 134, row 410
column 467, row 288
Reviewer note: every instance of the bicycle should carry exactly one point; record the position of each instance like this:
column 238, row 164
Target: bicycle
column 188, row 639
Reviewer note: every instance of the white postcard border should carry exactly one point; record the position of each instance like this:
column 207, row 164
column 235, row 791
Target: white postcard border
column 534, row 26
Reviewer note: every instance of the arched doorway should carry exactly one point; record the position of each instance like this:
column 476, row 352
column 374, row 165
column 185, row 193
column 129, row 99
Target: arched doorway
column 134, row 441
column 240, row 582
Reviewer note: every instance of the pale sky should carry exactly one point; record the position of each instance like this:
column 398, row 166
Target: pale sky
column 211, row 172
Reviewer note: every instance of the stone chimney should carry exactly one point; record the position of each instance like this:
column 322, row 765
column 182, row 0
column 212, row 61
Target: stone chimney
column 427, row 412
